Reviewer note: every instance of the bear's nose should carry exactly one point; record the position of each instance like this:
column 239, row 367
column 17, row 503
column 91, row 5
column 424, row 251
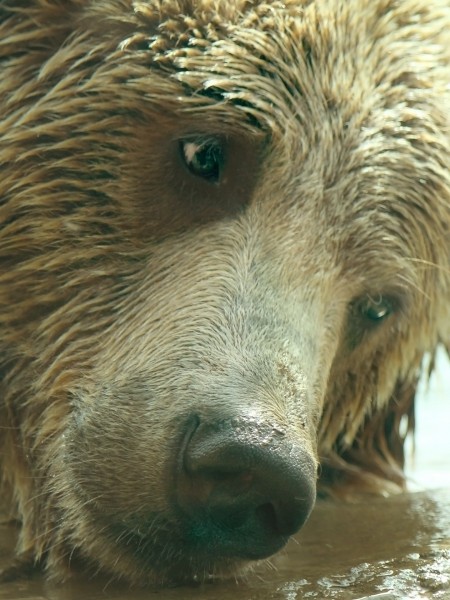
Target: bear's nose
column 243, row 488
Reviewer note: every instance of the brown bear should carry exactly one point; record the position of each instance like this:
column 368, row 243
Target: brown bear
column 224, row 253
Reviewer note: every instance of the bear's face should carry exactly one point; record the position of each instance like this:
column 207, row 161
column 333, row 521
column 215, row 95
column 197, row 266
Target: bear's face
column 241, row 250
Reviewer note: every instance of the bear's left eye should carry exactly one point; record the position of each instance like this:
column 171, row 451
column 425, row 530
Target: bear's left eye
column 376, row 309
column 203, row 157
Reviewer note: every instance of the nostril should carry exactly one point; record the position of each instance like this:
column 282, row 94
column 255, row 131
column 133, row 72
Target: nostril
column 276, row 518
column 267, row 516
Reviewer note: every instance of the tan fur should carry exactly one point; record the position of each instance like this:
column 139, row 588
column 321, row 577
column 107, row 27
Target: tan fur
column 133, row 293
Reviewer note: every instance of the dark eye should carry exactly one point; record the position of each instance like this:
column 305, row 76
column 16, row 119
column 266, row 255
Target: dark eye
column 376, row 309
column 203, row 157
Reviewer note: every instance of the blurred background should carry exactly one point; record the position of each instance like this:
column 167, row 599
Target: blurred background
column 428, row 454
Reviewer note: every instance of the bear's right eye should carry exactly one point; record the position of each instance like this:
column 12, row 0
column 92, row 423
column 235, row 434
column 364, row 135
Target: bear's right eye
column 203, row 157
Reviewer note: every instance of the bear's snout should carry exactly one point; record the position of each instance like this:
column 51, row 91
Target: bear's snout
column 243, row 487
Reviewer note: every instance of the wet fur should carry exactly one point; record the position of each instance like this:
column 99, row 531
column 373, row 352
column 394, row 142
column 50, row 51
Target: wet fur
column 132, row 293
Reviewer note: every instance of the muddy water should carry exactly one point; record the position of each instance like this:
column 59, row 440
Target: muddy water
column 379, row 549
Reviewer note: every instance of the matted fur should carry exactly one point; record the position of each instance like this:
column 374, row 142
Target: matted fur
column 133, row 293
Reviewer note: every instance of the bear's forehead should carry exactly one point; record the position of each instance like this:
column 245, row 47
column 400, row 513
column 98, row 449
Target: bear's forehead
column 269, row 55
